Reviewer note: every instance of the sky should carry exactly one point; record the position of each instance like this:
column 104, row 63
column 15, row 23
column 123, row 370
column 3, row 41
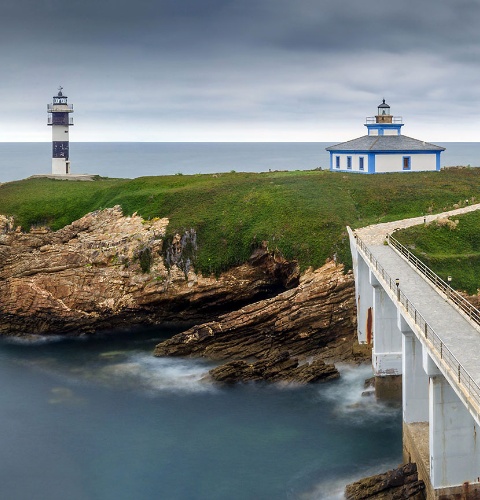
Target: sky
column 240, row 70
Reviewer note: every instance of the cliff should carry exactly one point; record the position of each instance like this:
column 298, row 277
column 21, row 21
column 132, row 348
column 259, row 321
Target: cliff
column 106, row 270
column 287, row 337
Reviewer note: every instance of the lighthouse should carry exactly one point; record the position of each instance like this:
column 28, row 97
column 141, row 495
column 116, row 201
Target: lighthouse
column 59, row 118
column 385, row 149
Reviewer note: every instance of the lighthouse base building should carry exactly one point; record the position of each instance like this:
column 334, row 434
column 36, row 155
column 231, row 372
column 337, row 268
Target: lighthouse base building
column 384, row 149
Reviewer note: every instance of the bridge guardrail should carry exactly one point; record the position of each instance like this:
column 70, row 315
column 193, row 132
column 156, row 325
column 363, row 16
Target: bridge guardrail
column 462, row 376
column 472, row 312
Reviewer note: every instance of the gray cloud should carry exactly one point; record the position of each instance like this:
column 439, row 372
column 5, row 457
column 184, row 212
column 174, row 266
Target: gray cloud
column 170, row 64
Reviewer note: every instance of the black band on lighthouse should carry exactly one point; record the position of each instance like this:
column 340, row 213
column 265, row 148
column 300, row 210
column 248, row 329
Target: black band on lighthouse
column 60, row 149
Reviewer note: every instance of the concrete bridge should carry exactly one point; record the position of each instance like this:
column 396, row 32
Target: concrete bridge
column 426, row 346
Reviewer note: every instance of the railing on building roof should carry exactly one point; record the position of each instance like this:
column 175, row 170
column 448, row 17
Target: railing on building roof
column 51, row 121
column 470, row 387
column 373, row 119
column 60, row 108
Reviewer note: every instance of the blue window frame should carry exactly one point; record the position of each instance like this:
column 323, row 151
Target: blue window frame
column 407, row 163
column 361, row 163
column 337, row 161
column 349, row 162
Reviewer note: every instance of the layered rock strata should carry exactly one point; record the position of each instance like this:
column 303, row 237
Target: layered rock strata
column 106, row 271
column 314, row 321
column 278, row 367
column 397, row 484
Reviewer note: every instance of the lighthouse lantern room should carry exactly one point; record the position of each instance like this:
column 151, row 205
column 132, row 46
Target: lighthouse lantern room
column 60, row 120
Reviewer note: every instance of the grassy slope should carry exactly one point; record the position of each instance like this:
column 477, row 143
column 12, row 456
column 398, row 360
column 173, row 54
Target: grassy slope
column 449, row 252
column 303, row 213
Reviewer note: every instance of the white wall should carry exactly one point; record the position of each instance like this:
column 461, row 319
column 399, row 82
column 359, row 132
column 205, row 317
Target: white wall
column 59, row 133
column 355, row 162
column 59, row 166
column 394, row 162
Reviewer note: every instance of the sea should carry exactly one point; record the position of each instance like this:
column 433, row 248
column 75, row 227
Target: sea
column 99, row 418
column 19, row 160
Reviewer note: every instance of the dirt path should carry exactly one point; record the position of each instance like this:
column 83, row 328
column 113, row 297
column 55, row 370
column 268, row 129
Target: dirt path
column 375, row 234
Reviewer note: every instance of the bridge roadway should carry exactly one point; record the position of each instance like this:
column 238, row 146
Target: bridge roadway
column 456, row 332
column 441, row 383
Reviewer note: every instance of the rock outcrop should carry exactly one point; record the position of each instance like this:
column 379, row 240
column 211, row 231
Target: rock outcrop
column 287, row 337
column 396, row 484
column 106, row 271
column 278, row 367
column 315, row 318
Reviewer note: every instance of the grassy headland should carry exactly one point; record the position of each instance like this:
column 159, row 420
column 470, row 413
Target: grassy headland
column 450, row 248
column 302, row 214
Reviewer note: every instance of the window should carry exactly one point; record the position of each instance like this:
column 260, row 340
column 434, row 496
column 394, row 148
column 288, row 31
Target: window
column 349, row 162
column 337, row 161
column 406, row 163
column 360, row 163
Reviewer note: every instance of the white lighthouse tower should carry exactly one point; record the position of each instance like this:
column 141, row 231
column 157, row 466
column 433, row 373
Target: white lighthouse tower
column 60, row 120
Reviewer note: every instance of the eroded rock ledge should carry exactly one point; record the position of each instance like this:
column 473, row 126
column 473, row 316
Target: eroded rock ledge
column 397, row 484
column 309, row 324
column 106, row 270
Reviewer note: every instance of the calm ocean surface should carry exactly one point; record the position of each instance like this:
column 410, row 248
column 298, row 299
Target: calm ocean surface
column 100, row 418
column 135, row 159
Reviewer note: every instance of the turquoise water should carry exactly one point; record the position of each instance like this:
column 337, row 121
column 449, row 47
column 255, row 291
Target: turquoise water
column 135, row 159
column 101, row 418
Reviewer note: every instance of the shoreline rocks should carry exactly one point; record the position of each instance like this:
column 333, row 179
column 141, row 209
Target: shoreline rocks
column 288, row 337
column 107, row 271
column 279, row 367
column 397, row 484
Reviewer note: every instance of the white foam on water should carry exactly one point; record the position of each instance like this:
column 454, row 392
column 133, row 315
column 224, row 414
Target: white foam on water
column 335, row 489
column 352, row 400
column 163, row 374
column 34, row 339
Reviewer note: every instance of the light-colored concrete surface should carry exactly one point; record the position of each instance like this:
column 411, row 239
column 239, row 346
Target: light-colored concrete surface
column 69, row 177
column 457, row 333
column 375, row 234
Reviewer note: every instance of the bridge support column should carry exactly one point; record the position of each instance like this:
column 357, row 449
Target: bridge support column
column 415, row 380
column 387, row 347
column 364, row 289
column 454, row 451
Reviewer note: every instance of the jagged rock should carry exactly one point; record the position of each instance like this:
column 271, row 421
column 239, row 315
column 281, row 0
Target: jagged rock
column 396, row 484
column 279, row 368
column 317, row 318
column 106, row 270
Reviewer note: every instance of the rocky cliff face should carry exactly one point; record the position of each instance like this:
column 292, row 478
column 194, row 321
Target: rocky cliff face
column 287, row 337
column 397, row 484
column 317, row 317
column 106, row 270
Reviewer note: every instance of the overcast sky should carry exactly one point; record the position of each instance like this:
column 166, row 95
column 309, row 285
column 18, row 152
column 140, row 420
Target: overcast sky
column 240, row 70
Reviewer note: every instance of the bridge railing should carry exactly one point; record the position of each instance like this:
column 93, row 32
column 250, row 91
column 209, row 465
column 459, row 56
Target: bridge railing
column 472, row 312
column 471, row 388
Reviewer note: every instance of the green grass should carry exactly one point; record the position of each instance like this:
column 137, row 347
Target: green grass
column 447, row 251
column 301, row 214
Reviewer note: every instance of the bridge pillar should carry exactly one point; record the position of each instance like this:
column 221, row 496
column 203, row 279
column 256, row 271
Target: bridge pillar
column 454, row 451
column 364, row 290
column 415, row 380
column 387, row 347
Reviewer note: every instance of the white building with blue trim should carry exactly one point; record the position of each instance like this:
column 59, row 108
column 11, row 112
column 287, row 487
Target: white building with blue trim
column 384, row 149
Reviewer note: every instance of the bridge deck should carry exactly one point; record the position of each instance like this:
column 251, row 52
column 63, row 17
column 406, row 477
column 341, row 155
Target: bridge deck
column 458, row 334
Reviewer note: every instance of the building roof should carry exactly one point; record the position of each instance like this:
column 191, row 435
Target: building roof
column 385, row 143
